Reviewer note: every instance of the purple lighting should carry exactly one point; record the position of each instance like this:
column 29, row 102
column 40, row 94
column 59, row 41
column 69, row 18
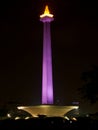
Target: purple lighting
column 47, row 83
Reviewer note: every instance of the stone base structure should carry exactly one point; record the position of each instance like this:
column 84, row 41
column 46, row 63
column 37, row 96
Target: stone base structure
column 48, row 110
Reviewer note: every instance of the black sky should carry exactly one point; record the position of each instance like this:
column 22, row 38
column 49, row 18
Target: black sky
column 74, row 47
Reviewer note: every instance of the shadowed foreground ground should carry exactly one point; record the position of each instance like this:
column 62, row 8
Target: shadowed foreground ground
column 50, row 122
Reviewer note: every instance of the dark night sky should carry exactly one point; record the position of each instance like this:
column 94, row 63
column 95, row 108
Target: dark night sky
column 74, row 47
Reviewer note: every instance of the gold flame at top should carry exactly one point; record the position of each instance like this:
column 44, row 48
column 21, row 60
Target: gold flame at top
column 46, row 12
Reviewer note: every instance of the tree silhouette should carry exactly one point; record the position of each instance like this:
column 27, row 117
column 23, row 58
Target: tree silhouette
column 89, row 89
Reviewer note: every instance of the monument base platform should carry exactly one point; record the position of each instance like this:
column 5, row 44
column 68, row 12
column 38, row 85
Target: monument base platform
column 47, row 110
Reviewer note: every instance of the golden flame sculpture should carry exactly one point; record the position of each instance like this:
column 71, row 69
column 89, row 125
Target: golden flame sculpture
column 46, row 13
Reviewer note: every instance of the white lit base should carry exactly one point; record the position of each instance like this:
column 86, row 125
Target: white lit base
column 48, row 110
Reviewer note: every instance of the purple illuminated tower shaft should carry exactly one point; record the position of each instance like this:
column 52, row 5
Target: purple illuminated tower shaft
column 47, row 82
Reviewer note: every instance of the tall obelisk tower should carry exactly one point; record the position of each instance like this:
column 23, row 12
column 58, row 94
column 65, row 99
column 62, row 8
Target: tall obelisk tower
column 47, row 81
column 47, row 84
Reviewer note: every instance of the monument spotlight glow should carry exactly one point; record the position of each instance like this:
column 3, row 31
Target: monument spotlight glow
column 47, row 81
